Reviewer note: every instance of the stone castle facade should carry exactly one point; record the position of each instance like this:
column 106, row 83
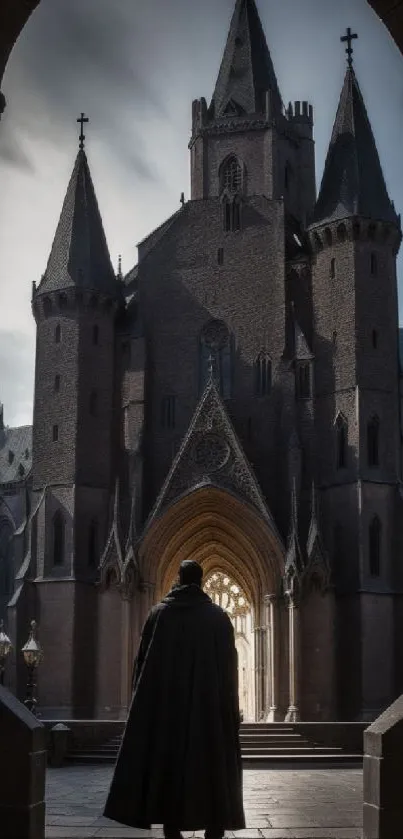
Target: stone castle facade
column 234, row 399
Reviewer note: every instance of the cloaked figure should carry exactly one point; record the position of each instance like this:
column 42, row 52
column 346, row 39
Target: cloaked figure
column 179, row 764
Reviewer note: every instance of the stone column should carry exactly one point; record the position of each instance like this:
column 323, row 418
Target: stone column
column 259, row 708
column 293, row 656
column 272, row 658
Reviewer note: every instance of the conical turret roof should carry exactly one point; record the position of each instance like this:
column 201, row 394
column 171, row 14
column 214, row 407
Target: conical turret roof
column 79, row 257
column 353, row 181
column 246, row 71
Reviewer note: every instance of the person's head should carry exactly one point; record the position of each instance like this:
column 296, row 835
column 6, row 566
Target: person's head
column 190, row 572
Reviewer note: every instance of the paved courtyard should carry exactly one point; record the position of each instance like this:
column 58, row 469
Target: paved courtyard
column 300, row 803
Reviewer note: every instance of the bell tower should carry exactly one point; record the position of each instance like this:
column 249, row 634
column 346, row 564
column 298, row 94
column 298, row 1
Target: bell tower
column 247, row 126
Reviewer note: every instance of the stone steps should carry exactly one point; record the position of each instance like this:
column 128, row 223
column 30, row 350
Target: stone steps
column 260, row 743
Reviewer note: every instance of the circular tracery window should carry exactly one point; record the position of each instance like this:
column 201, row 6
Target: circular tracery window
column 215, row 334
column 211, row 452
column 227, row 594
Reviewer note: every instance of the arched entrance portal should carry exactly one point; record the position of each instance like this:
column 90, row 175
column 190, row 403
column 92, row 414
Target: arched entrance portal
column 242, row 559
column 226, row 592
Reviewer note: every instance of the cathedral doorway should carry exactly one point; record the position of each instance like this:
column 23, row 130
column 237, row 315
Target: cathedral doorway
column 241, row 557
column 227, row 593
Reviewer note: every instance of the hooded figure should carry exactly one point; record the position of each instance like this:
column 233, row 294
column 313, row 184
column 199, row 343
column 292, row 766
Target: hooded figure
column 179, row 764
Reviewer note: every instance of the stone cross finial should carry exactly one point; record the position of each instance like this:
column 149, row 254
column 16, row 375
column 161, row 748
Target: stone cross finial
column 82, row 119
column 348, row 39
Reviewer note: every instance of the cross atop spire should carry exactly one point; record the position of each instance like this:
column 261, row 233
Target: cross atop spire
column 348, row 39
column 82, row 119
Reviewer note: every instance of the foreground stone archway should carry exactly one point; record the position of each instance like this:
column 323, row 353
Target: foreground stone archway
column 226, row 536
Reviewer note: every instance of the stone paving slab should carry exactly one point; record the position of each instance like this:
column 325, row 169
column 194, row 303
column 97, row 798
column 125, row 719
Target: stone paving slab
column 287, row 803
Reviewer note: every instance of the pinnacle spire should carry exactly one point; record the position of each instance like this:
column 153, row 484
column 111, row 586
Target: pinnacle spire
column 79, row 256
column 246, row 72
column 353, row 181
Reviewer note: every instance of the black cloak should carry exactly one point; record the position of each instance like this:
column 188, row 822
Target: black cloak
column 180, row 759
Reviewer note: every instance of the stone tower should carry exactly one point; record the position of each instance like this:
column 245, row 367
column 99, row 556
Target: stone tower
column 355, row 237
column 246, row 120
column 74, row 308
column 235, row 400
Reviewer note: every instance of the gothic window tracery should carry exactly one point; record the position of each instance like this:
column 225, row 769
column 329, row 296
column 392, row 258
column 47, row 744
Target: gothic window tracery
column 231, row 189
column 231, row 176
column 226, row 593
column 215, row 356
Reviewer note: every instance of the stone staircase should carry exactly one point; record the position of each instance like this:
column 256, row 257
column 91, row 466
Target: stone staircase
column 261, row 743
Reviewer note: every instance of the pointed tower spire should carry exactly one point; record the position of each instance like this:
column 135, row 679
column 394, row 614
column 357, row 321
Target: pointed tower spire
column 246, row 73
column 79, row 256
column 353, row 181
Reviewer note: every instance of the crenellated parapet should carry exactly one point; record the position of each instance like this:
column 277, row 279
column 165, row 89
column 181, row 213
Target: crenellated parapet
column 300, row 112
column 62, row 303
column 355, row 229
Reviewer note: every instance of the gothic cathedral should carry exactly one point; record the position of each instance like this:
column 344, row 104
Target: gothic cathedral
column 234, row 399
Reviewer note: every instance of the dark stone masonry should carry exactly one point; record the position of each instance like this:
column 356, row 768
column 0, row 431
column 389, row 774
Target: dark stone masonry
column 234, row 399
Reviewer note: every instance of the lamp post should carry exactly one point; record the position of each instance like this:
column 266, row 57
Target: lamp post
column 33, row 655
column 5, row 649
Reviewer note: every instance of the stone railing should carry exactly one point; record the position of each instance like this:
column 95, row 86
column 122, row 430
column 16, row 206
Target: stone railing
column 383, row 775
column 22, row 771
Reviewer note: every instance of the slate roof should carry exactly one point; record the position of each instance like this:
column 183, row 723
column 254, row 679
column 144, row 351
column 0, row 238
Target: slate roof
column 79, row 256
column 15, row 453
column 353, row 182
column 246, row 71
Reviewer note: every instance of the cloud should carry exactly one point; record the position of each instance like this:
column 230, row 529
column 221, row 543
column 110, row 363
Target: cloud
column 12, row 150
column 16, row 376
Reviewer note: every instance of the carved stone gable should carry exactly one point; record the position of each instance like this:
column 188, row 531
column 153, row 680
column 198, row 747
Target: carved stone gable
column 211, row 453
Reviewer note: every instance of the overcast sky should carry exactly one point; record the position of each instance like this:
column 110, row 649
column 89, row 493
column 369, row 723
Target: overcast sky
column 134, row 68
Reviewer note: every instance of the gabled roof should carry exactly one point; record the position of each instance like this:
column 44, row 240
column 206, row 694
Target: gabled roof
column 154, row 237
column 318, row 562
column 301, row 347
column 15, row 454
column 353, row 182
column 211, row 453
column 246, row 71
column 79, row 257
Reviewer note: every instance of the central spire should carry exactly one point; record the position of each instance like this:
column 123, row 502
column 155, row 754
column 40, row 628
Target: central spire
column 246, row 72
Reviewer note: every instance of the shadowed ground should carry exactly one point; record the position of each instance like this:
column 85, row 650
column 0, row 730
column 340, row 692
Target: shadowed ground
column 301, row 803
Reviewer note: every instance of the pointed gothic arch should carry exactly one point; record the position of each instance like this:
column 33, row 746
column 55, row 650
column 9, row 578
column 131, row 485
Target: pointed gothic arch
column 231, row 175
